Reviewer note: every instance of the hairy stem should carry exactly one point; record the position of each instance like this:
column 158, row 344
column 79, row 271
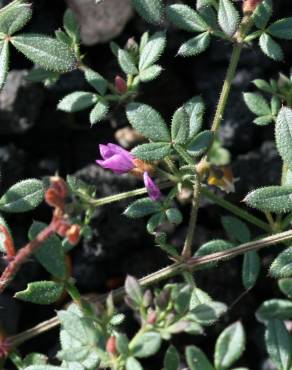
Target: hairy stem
column 175, row 269
column 237, row 211
column 121, row 196
column 187, row 250
column 23, row 255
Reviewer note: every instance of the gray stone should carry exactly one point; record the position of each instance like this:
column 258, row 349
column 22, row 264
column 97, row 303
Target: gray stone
column 20, row 103
column 103, row 21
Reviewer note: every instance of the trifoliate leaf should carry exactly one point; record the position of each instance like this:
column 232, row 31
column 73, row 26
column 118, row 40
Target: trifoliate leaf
column 180, row 126
column 274, row 309
column 150, row 73
column 146, row 345
column 99, row 111
column 282, row 265
column 171, row 359
column 263, row 13
column 96, row 81
column 250, row 269
column 126, row 62
column 236, row 229
column 14, row 18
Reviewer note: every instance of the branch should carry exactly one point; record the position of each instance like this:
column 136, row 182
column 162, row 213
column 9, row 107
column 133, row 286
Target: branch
column 163, row 274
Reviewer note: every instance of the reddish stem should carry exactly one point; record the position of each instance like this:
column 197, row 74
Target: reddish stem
column 23, row 255
column 8, row 243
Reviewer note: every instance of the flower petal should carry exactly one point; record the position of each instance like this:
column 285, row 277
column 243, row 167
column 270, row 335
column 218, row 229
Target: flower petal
column 153, row 190
column 117, row 163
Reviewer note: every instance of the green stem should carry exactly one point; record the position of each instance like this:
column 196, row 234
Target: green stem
column 187, row 250
column 226, row 87
column 122, row 196
column 245, row 215
column 185, row 155
column 164, row 274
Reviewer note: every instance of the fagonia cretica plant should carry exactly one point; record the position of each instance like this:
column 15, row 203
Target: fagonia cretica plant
column 182, row 154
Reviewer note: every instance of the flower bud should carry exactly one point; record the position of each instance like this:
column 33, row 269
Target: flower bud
column 62, row 229
column 120, row 85
column 73, row 234
column 152, row 317
column 132, row 45
column 249, row 6
column 53, row 199
column 111, row 346
column 59, row 185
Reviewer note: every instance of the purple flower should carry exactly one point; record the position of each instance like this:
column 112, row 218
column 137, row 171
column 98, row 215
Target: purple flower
column 116, row 158
column 153, row 190
column 121, row 161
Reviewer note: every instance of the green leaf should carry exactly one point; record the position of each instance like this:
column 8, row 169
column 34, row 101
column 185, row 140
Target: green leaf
column 197, row 360
column 264, row 120
column 271, row 198
column 180, row 126
column 150, row 73
column 276, row 104
column 250, row 269
column 272, row 49
column 45, row 51
column 236, row 229
column 278, row 343
column 148, row 122
column 209, row 312
column 195, row 45
column 146, row 345
column 228, row 17
column 126, row 62
column 4, row 62
column 23, row 196
column 274, row 309
column 15, row 18
column 282, row 29
column 229, row 346
column 200, row 143
column 41, row 292
column 195, row 109
column 133, row 364
column 71, row 25
column 184, row 17
column 96, row 81
column 212, row 246
column 152, row 50
column 154, row 221
column 134, row 290
column 41, row 75
column 51, row 254
column 282, row 265
column 257, row 104
column 285, row 286
column 171, row 359
column 77, row 101
column 34, row 359
column 263, row 13
column 151, row 10
column 174, row 216
column 81, row 329
column 99, row 111
column 152, row 152
column 142, row 207
column 263, row 85
column 283, row 132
